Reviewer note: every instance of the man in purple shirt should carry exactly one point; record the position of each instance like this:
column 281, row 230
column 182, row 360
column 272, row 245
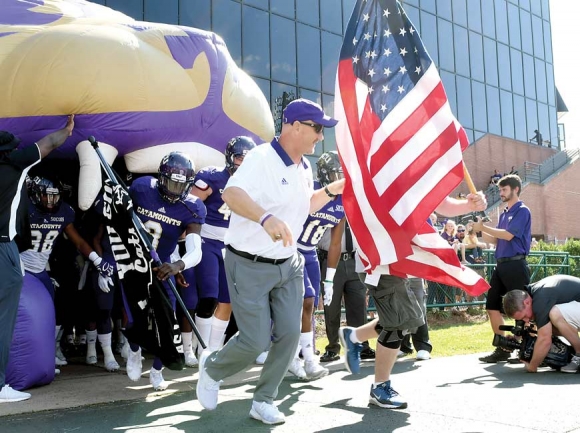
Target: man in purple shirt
column 512, row 238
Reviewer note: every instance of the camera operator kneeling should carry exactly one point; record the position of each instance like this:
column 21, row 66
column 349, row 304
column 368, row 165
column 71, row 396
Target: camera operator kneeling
column 553, row 303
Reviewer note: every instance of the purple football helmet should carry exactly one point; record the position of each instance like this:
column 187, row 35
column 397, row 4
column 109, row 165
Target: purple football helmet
column 44, row 194
column 237, row 147
column 176, row 174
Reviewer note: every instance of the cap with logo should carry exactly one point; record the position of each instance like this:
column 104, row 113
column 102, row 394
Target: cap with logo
column 304, row 109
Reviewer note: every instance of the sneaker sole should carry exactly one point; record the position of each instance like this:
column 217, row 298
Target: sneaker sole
column 374, row 401
column 13, row 400
column 255, row 415
column 568, row 371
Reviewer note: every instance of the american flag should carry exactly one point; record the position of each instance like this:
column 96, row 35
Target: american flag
column 400, row 145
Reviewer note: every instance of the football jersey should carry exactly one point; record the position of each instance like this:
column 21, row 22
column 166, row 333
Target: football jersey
column 218, row 213
column 318, row 222
column 165, row 221
column 44, row 228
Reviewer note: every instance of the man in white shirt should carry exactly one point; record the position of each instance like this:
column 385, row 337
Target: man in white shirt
column 263, row 268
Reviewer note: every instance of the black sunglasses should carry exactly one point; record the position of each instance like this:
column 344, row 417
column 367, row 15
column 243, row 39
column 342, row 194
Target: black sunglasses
column 318, row 128
column 461, row 230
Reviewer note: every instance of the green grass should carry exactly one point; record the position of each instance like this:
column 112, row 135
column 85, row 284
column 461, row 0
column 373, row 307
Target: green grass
column 451, row 334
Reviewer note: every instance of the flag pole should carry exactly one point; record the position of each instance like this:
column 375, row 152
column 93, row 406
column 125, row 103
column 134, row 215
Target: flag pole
column 142, row 232
column 473, row 190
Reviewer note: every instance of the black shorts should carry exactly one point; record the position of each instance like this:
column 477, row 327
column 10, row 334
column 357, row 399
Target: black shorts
column 507, row 276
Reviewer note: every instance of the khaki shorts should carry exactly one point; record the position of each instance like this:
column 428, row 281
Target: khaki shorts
column 396, row 304
column 571, row 313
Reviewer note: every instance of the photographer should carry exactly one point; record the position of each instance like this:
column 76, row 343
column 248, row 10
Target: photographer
column 553, row 303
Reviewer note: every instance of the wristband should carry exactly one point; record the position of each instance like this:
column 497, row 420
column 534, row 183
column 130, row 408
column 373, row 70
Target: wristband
column 93, row 256
column 330, row 272
column 264, row 218
column 328, row 193
column 328, row 281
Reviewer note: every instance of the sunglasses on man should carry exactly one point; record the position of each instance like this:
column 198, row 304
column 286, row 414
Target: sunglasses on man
column 317, row 128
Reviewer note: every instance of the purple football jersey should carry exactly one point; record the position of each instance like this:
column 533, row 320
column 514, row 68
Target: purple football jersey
column 164, row 220
column 45, row 228
column 218, row 213
column 318, row 222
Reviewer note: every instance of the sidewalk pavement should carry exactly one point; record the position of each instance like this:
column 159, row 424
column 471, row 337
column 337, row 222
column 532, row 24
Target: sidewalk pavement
column 453, row 394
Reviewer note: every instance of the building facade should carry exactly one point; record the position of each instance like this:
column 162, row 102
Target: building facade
column 494, row 56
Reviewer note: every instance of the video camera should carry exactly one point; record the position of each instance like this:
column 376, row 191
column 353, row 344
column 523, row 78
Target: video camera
column 472, row 217
column 559, row 355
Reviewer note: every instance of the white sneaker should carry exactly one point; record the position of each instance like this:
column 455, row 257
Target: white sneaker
column 297, row 369
column 423, row 355
column 401, row 354
column 125, row 350
column 190, row 359
column 56, row 371
column 267, row 413
column 60, row 359
column 156, row 380
column 91, row 360
column 134, row 365
column 314, row 370
column 261, row 359
column 573, row 366
column 9, row 395
column 207, row 389
column 112, row 365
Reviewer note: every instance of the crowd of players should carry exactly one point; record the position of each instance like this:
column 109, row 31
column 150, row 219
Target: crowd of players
column 183, row 211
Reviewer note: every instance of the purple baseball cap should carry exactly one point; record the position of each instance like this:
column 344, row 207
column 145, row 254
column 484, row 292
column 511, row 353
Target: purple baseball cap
column 304, row 109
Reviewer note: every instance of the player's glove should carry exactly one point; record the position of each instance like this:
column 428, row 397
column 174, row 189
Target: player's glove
column 328, row 292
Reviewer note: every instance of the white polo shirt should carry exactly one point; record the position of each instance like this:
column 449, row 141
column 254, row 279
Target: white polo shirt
column 282, row 188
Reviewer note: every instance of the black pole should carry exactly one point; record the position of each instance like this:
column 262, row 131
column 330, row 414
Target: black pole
column 142, row 232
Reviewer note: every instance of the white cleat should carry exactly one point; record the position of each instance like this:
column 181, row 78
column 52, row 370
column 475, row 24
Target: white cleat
column 112, row 365
column 60, row 358
column 190, row 359
column 134, row 365
column 297, row 369
column 314, row 370
column 156, row 380
column 267, row 413
column 261, row 359
column 207, row 389
column 91, row 360
column 423, row 355
column 59, row 362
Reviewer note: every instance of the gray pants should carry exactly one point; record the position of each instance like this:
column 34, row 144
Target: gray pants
column 10, row 287
column 420, row 337
column 347, row 284
column 262, row 293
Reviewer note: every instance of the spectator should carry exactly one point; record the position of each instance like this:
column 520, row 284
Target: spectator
column 513, row 170
column 537, row 137
column 495, row 177
column 450, row 235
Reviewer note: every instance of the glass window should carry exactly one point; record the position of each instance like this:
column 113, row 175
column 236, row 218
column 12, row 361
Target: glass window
column 554, row 129
column 544, row 125
column 517, row 71
column 307, row 11
column 413, row 14
column 525, row 4
column 501, row 21
column 541, row 88
column 429, row 5
column 429, row 35
column 264, row 86
column 545, row 9
column 529, row 77
column 330, row 54
column 476, row 54
column 464, row 102
column 410, row 2
column 329, row 133
column 448, row 80
column 538, row 36
column 520, row 119
column 283, row 7
column 283, row 49
column 551, row 84
column 259, row 3
column 163, row 12
column 488, row 23
column 514, row 26
column 470, row 135
column 330, row 16
column 276, row 95
column 507, row 114
column 526, row 23
column 313, row 96
column 195, row 13
column 548, row 41
column 308, row 43
column 536, row 8
column 479, row 104
column 446, row 55
column 256, row 42
column 347, row 8
column 490, row 55
column 532, row 118
column 474, row 15
column 133, row 8
column 505, row 71
column 460, row 12
column 444, row 9
column 478, row 135
column 493, row 110
column 461, row 50
column 227, row 22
